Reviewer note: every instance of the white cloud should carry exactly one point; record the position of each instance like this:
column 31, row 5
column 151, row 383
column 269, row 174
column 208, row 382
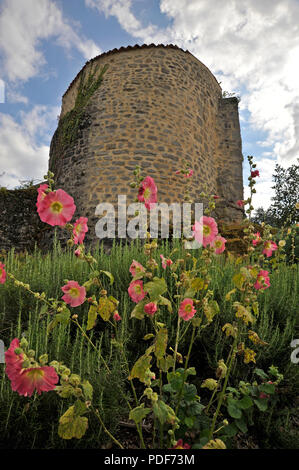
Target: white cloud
column 24, row 150
column 24, row 24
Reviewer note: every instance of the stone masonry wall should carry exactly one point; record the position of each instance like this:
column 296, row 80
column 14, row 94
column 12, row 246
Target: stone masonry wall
column 156, row 106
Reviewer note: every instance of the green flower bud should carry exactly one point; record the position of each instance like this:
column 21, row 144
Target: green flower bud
column 25, row 364
column 75, row 379
column 43, row 359
column 24, row 343
column 31, row 353
column 18, row 351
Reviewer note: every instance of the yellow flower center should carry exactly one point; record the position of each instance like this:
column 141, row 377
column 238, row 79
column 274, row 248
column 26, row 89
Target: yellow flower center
column 147, row 193
column 206, row 230
column 74, row 292
column 35, row 374
column 138, row 289
column 188, row 308
column 218, row 243
column 78, row 228
column 56, row 207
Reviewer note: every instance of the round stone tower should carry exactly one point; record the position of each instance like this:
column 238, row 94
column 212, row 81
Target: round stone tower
column 155, row 106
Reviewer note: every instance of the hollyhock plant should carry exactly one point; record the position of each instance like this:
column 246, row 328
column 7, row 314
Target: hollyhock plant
column 189, row 174
column 2, row 273
column 180, row 445
column 255, row 173
column 263, row 280
column 136, row 268
column 269, row 247
column 41, row 379
column 41, row 192
column 147, row 192
column 150, row 308
column 136, row 291
column 74, row 294
column 56, row 208
column 165, row 262
column 116, row 316
column 186, row 309
column 80, row 229
column 240, row 203
column 205, row 230
column 257, row 238
column 218, row 244
column 13, row 361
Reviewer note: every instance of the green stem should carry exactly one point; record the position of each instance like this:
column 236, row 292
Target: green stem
column 185, row 369
column 176, row 342
column 106, row 430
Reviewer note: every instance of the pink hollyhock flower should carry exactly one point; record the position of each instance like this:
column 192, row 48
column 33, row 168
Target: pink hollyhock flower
column 216, row 197
column 80, row 229
column 264, row 395
column 2, row 273
column 257, row 238
column 136, row 291
column 205, row 230
column 263, row 280
column 78, row 252
column 255, row 173
column 269, row 247
column 74, row 294
column 186, row 309
column 41, row 379
column 13, row 361
column 165, row 262
column 117, row 316
column 147, row 192
column 56, row 208
column 189, row 174
column 178, row 172
column 41, row 192
column 136, row 268
column 240, row 203
column 150, row 308
column 180, row 445
column 218, row 244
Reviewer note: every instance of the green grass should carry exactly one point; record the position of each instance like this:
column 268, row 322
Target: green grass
column 32, row 423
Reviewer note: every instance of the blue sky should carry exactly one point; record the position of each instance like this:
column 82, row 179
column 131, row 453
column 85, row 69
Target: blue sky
column 251, row 47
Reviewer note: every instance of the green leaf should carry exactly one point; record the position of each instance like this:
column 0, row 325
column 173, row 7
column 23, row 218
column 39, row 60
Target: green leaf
column 106, row 307
column 245, row 402
column 267, row 388
column 261, row 374
column 80, row 408
column 211, row 310
column 92, row 316
column 238, row 280
column 161, row 343
column 164, row 301
column 71, row 425
column 189, row 421
column 155, row 288
column 231, row 430
column 148, row 336
column 241, row 425
column 165, row 363
column 233, row 409
column 140, row 367
column 163, row 412
column 138, row 311
column 109, row 275
column 62, row 317
column 261, row 403
column 139, row 413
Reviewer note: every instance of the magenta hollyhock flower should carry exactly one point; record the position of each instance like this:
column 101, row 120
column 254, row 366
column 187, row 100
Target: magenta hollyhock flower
column 78, row 252
column 257, row 238
column 218, row 244
column 240, row 203
column 189, row 174
column 80, row 229
column 147, row 192
column 205, row 230
column 180, row 445
column 216, row 197
column 136, row 268
column 264, row 395
column 2, row 273
column 269, row 247
column 255, row 173
column 74, row 294
column 263, row 280
column 186, row 309
column 41, row 379
column 13, row 361
column 136, row 291
column 178, row 172
column 150, row 308
column 165, row 262
column 41, row 192
column 116, row 316
column 56, row 208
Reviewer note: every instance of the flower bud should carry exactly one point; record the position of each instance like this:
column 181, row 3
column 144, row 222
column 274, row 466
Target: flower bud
column 24, row 343
column 31, row 353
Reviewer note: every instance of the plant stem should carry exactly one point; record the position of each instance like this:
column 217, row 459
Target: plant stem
column 185, row 369
column 106, row 430
column 176, row 342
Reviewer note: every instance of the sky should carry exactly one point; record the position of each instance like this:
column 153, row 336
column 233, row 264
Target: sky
column 251, row 46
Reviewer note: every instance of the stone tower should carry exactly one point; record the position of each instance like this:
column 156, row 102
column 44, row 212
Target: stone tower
column 155, row 106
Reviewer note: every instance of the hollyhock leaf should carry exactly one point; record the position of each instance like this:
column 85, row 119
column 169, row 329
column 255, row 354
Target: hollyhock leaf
column 163, row 412
column 62, row 317
column 92, row 316
column 233, row 410
column 105, row 308
column 231, row 430
column 165, row 363
column 267, row 388
column 245, row 402
column 80, row 408
column 238, row 280
column 229, row 294
column 161, row 343
column 197, row 284
column 211, row 310
column 155, row 288
column 71, row 425
column 164, row 301
column 138, row 310
column 189, row 421
column 261, row 374
column 109, row 275
column 149, row 336
column 261, row 403
column 140, row 367
column 241, row 424
column 139, row 413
